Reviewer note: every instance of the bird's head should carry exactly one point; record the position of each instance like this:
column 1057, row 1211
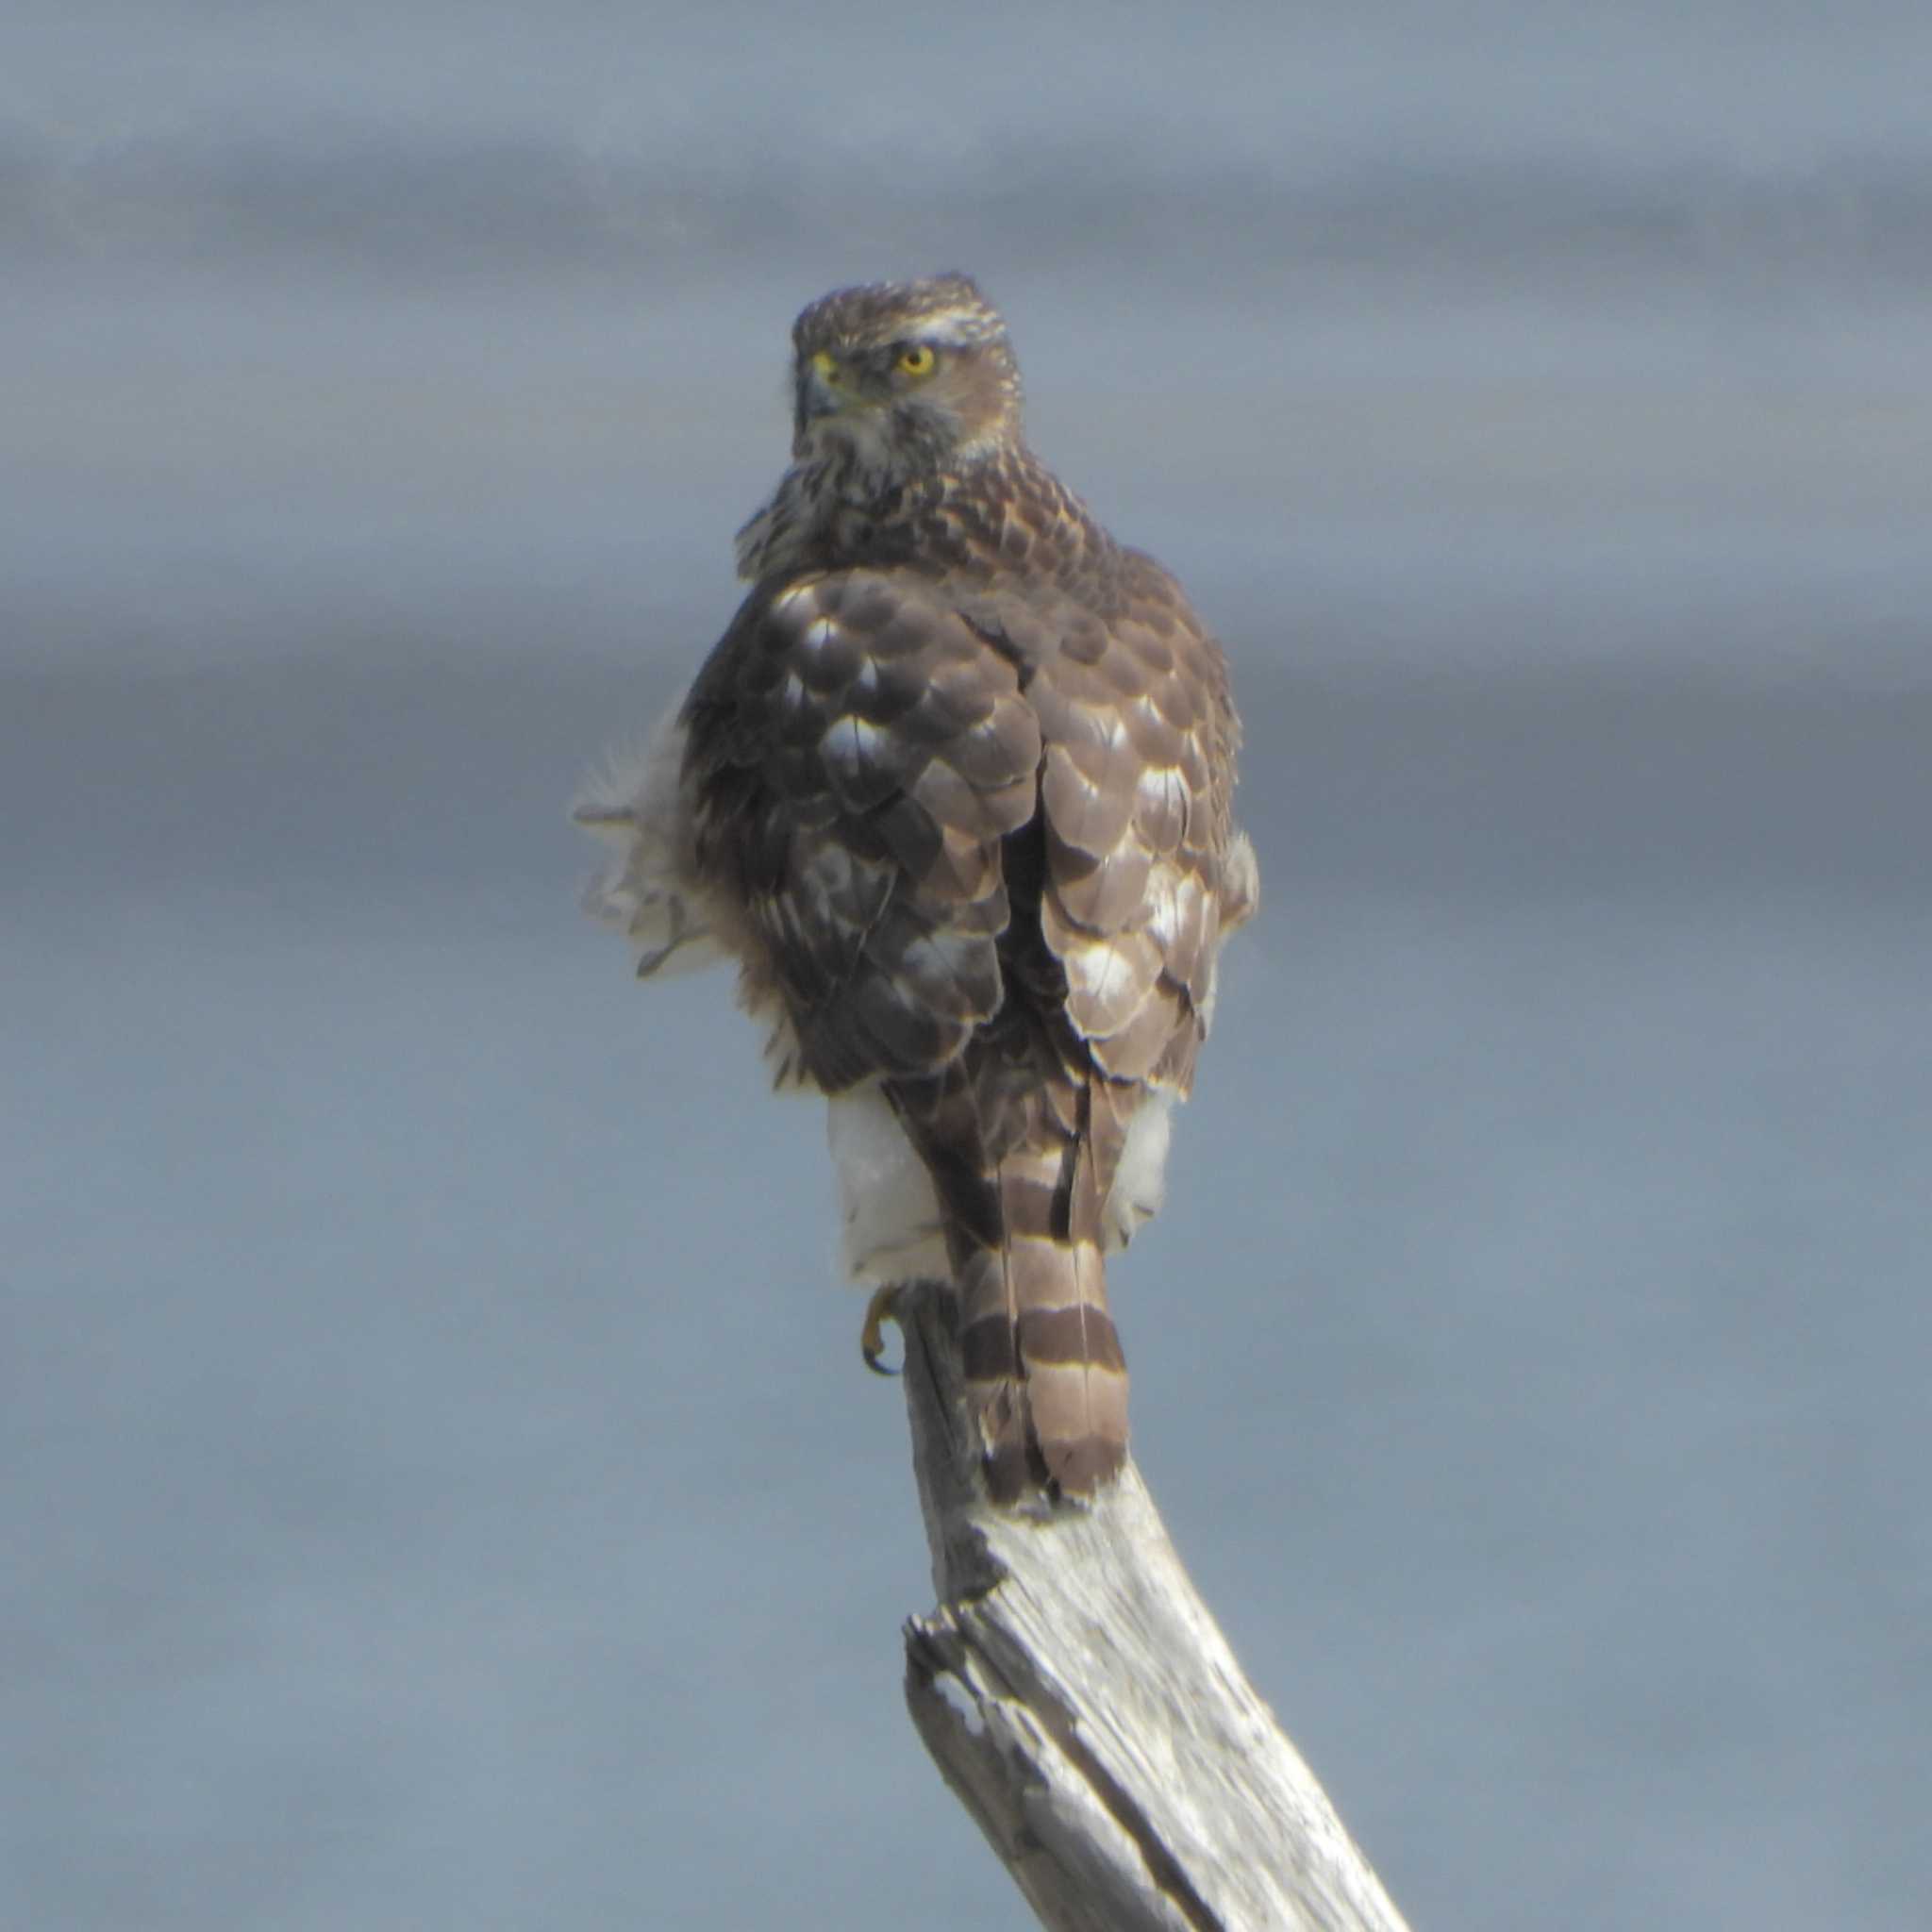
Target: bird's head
column 911, row 376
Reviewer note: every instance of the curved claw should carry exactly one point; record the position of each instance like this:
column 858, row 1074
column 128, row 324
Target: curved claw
column 883, row 1307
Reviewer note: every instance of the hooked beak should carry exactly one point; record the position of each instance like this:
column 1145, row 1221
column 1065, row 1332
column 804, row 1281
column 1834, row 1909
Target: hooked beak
column 824, row 389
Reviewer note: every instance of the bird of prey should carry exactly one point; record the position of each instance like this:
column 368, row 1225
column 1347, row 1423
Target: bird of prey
column 955, row 792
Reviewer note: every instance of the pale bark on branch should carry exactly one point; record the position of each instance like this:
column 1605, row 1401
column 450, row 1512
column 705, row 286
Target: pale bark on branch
column 1086, row 1709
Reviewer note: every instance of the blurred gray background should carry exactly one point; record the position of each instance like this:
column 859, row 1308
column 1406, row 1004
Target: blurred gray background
column 438, row 1487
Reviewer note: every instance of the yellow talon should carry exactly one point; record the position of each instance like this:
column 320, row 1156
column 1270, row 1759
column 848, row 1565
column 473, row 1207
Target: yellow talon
column 883, row 1307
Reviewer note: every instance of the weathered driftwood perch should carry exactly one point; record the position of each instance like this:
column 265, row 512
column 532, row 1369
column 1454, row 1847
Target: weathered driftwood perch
column 1085, row 1709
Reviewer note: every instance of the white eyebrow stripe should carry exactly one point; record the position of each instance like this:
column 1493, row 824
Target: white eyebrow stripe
column 952, row 328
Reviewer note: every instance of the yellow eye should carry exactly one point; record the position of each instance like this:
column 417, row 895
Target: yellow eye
column 917, row 360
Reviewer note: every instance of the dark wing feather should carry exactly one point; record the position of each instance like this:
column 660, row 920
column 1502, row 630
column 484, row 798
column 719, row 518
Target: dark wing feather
column 857, row 755
column 1137, row 800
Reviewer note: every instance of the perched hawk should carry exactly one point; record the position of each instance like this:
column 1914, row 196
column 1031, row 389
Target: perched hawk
column 955, row 790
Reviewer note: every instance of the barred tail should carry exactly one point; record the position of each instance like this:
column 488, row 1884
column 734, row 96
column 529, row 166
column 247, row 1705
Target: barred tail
column 1044, row 1374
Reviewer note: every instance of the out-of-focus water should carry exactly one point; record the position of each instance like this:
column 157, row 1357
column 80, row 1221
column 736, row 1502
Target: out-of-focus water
column 437, row 1480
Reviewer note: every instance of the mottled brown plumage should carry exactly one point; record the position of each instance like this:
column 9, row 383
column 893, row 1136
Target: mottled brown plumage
column 956, row 791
